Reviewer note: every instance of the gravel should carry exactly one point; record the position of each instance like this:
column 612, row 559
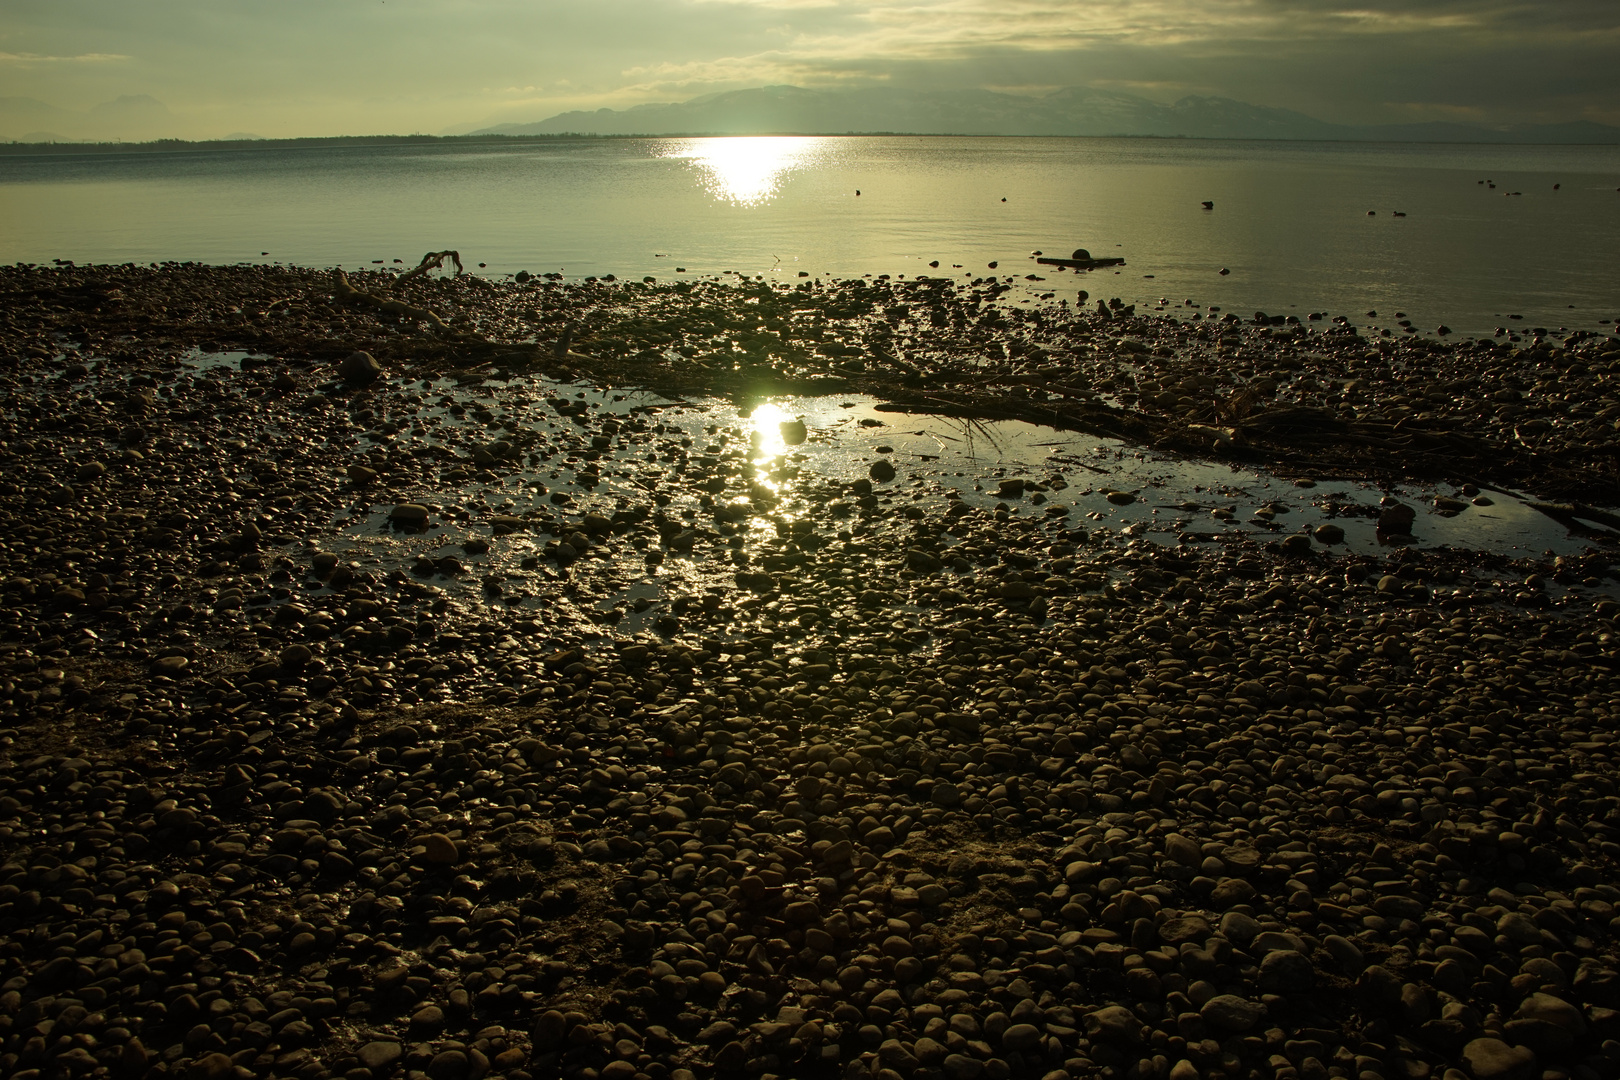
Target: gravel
column 877, row 783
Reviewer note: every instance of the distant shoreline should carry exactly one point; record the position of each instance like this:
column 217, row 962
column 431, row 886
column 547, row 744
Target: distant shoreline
column 180, row 146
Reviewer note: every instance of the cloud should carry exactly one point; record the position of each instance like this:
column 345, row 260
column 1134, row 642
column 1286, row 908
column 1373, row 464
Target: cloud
column 40, row 58
column 310, row 66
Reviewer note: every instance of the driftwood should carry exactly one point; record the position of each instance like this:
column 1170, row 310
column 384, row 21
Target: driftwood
column 433, row 260
column 346, row 293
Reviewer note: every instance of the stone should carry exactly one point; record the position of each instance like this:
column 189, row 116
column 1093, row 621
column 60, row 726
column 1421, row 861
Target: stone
column 380, row 1055
column 1402, row 907
column 1553, row 1010
column 1229, row 891
column 1546, row 1024
column 447, row 1065
column 881, row 471
column 1114, row 1023
column 428, row 1020
column 359, row 369
column 295, row 656
column 923, row 562
column 1021, row 1037
column 1240, row 928
column 1346, row 953
column 1185, row 928
column 1230, row 1013
column 1179, row 849
column 1396, row 519
column 409, row 515
column 214, row 1066
column 439, row 850
column 170, row 665
column 1493, row 1059
column 1285, row 972
column 1518, row 928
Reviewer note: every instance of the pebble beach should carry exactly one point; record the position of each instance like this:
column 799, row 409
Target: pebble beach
column 437, row 676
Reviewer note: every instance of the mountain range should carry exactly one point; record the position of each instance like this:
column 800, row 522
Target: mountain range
column 130, row 117
column 1072, row 111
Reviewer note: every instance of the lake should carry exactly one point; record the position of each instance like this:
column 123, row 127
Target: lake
column 1488, row 232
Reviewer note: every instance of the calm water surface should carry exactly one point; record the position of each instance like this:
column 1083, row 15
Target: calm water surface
column 1290, row 220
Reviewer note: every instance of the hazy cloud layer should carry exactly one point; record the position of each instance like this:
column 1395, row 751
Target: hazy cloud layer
column 357, row 66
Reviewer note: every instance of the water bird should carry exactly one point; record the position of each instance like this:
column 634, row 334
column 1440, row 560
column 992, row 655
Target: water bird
column 1557, row 186
column 1209, row 204
column 857, row 191
column 1224, row 271
column 1400, row 213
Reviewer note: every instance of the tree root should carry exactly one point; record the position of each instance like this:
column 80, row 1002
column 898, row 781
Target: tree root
column 433, row 260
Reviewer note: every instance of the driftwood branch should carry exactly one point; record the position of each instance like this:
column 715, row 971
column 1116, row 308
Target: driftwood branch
column 346, row 293
column 433, row 260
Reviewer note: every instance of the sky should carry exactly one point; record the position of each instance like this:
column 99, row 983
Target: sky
column 138, row 69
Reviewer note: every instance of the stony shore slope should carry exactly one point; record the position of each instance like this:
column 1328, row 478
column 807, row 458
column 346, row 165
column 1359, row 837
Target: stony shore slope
column 901, row 784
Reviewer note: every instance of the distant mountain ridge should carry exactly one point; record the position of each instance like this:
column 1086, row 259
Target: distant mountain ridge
column 1071, row 111
column 130, row 116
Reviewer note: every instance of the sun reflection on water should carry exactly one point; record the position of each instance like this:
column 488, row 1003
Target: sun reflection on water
column 746, row 170
column 772, row 430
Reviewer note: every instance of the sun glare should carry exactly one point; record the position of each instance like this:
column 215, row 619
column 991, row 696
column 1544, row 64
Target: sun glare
column 765, row 434
column 772, row 431
column 745, row 170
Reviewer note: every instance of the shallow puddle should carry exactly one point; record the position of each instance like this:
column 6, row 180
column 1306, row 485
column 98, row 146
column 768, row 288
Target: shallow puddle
column 553, row 453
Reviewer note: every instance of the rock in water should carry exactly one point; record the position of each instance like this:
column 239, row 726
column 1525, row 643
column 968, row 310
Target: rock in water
column 409, row 515
column 359, row 369
column 1396, row 520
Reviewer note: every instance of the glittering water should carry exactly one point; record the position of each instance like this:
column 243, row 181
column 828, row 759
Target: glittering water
column 783, row 460
column 1290, row 221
